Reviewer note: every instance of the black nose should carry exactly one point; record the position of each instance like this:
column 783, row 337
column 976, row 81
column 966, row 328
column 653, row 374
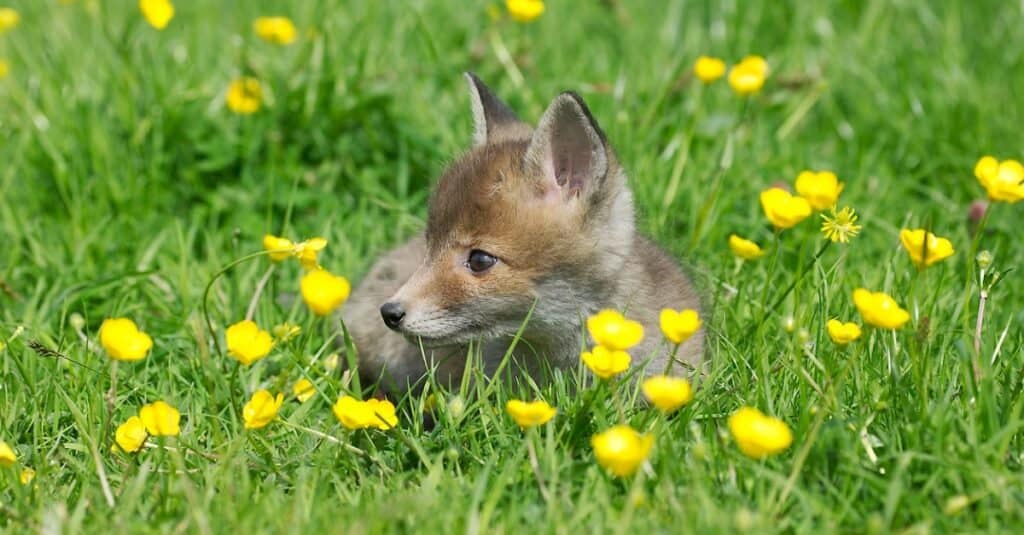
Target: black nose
column 392, row 313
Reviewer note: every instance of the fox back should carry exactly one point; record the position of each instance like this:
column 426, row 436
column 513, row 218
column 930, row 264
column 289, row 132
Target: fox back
column 531, row 230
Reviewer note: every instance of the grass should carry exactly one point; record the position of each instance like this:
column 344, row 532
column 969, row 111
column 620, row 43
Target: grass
column 126, row 186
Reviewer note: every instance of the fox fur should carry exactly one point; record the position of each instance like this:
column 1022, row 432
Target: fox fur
column 551, row 206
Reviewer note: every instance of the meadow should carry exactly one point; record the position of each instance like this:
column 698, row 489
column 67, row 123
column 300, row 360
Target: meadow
column 131, row 188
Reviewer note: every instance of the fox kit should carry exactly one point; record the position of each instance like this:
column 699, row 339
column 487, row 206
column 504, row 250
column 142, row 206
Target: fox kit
column 532, row 229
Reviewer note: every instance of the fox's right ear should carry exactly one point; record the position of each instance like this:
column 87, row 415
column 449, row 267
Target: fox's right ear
column 493, row 120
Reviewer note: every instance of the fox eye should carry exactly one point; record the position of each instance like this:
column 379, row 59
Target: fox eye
column 480, row 261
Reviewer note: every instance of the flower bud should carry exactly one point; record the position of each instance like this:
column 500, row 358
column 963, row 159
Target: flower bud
column 956, row 505
column 803, row 335
column 76, row 321
column 976, row 211
column 456, row 407
column 984, row 259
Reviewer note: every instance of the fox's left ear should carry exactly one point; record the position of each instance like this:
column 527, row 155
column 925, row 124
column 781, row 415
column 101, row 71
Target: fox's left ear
column 568, row 149
column 493, row 120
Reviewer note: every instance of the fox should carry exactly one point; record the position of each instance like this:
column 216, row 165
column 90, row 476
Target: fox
column 528, row 233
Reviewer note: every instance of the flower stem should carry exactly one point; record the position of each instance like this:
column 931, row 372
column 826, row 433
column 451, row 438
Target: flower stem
column 251, row 311
column 209, row 286
column 797, row 279
column 724, row 161
column 535, row 465
column 671, row 359
column 324, row 436
column 983, row 294
column 777, row 236
column 615, row 399
column 819, row 420
column 111, row 397
column 976, row 357
column 971, row 264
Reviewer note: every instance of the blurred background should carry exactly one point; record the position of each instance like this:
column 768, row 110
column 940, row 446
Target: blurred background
column 120, row 155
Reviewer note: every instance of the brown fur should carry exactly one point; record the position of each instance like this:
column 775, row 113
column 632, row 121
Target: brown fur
column 553, row 206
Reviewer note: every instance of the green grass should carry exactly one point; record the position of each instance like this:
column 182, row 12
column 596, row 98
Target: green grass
column 126, row 186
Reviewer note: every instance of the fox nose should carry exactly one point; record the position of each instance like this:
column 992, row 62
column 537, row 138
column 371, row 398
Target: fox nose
column 393, row 313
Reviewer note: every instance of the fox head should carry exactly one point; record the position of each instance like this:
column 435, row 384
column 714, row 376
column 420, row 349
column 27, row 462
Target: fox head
column 529, row 222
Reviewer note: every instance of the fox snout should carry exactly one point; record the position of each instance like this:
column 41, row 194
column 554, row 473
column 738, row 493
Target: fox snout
column 393, row 313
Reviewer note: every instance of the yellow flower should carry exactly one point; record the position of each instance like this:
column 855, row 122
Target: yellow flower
column 679, row 326
column 1004, row 181
column 524, row 10
column 667, row 393
column 747, row 77
column 123, row 340
column 160, row 419
column 286, row 331
column 612, row 330
column 842, row 333
column 757, row 435
column 279, row 248
column 783, row 209
column 745, row 249
column 986, row 167
column 430, row 403
column 879, row 309
column 323, row 292
column 708, row 69
column 303, row 390
column 247, row 343
column 306, row 252
column 7, row 455
column 9, row 18
column 261, row 409
column 131, row 435
column 821, row 189
column 244, row 96
column 924, row 247
column 841, row 225
column 754, row 63
column 158, row 13
column 350, row 412
column 621, row 450
column 277, row 30
column 606, row 363
column 355, row 414
column 530, row 414
column 26, row 476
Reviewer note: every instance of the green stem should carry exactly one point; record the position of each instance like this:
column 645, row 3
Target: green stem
column 209, row 286
column 724, row 164
column 801, row 457
column 671, row 360
column 250, row 312
column 777, row 250
column 535, row 464
column 797, row 279
column 615, row 399
column 971, row 264
column 111, row 399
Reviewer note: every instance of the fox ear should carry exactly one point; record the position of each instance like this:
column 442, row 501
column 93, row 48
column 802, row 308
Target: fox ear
column 568, row 149
column 493, row 120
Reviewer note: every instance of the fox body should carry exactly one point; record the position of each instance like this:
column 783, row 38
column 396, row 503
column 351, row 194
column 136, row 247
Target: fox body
column 531, row 230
